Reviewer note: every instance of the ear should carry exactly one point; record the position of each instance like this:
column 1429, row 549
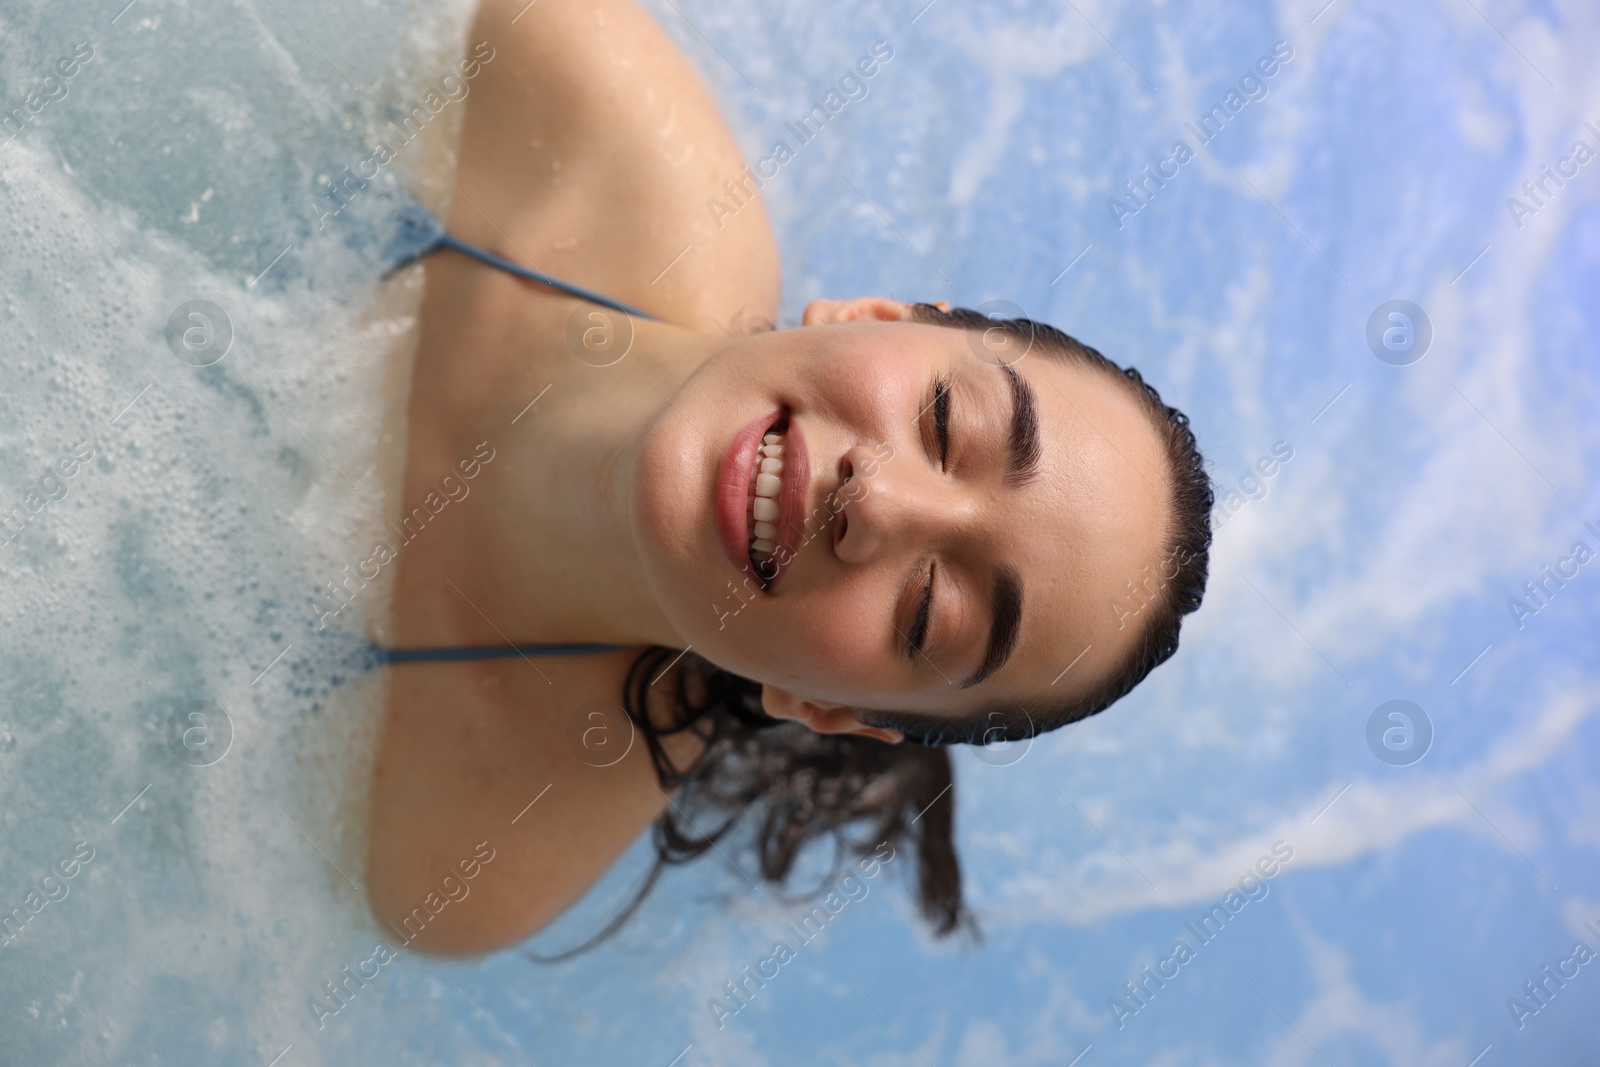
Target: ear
column 824, row 718
column 860, row 309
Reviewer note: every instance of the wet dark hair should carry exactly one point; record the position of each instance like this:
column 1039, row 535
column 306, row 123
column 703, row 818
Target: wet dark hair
column 800, row 786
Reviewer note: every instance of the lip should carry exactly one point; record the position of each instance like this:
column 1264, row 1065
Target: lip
column 733, row 486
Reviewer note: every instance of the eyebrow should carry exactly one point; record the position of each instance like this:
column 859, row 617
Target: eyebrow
column 1023, row 450
column 1005, row 604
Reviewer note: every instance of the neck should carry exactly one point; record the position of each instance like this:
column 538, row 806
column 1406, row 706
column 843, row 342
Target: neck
column 560, row 539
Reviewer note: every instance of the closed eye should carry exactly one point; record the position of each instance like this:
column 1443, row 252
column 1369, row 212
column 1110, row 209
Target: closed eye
column 918, row 636
column 919, row 626
column 941, row 419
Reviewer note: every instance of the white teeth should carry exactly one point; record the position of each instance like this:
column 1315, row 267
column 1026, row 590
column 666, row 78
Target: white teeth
column 767, row 482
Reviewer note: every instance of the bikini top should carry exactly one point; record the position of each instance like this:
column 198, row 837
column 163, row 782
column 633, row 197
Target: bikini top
column 387, row 657
column 420, row 234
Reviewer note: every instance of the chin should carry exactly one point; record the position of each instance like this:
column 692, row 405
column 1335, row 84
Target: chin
column 671, row 521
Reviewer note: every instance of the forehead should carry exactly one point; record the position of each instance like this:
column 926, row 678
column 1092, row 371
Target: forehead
column 1091, row 522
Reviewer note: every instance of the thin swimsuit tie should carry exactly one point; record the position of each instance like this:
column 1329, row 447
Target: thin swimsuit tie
column 420, row 234
column 394, row 656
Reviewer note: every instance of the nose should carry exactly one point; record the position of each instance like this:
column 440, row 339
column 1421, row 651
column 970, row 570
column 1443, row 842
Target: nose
column 895, row 504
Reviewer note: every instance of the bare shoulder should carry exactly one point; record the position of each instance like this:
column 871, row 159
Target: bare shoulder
column 501, row 795
column 592, row 147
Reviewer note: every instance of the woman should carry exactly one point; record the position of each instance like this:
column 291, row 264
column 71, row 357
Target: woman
column 799, row 549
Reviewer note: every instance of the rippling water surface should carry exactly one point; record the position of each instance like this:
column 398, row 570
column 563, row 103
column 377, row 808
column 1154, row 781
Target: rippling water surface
column 193, row 377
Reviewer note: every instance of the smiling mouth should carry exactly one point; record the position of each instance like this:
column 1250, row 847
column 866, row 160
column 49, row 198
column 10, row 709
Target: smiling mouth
column 762, row 500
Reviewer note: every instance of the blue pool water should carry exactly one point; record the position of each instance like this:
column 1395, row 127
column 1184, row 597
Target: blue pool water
column 186, row 493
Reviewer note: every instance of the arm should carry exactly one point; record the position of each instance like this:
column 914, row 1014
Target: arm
column 486, row 823
column 590, row 143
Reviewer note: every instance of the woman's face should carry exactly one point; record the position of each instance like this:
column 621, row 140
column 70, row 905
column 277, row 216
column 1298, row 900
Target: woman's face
column 903, row 549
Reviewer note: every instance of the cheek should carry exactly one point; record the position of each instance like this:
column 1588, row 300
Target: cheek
column 834, row 644
column 829, row 644
column 875, row 393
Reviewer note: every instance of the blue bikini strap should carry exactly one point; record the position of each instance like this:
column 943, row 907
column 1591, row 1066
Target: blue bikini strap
column 391, row 656
column 425, row 234
column 457, row 245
